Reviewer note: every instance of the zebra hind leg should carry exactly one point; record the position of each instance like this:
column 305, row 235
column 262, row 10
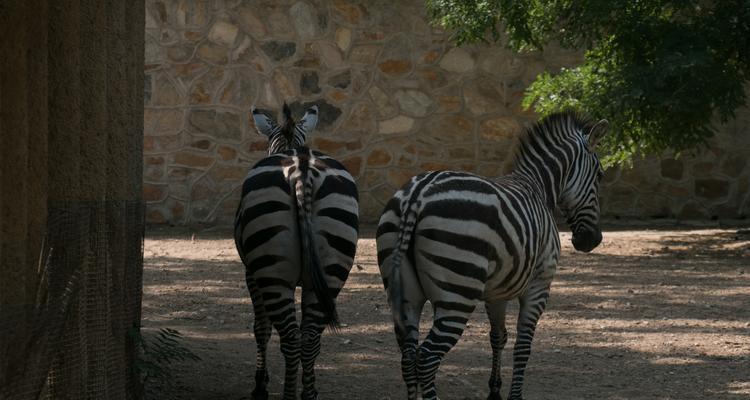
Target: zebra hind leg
column 447, row 328
column 284, row 320
column 407, row 342
column 498, row 339
column 262, row 332
column 531, row 306
column 313, row 325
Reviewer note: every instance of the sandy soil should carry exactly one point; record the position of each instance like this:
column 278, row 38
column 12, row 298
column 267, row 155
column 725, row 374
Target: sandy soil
column 650, row 314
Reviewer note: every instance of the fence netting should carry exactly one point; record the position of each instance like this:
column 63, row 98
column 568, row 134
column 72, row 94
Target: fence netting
column 74, row 340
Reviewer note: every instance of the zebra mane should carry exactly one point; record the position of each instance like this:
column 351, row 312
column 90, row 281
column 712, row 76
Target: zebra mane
column 557, row 127
column 545, row 141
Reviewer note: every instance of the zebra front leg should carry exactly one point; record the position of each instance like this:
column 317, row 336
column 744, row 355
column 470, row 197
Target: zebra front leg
column 531, row 307
column 262, row 332
column 447, row 328
column 312, row 327
column 498, row 339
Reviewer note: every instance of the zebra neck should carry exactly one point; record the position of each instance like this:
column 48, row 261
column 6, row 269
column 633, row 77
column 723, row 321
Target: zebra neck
column 544, row 181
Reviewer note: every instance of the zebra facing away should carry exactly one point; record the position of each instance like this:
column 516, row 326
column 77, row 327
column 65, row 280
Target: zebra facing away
column 296, row 225
column 456, row 239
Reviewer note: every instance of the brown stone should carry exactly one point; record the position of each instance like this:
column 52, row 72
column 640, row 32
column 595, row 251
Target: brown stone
column 226, row 153
column 219, row 124
column 337, row 95
column 332, row 146
column 353, row 165
column 395, row 67
column 461, row 152
column 153, row 193
column 711, row 188
column 202, row 144
column 155, row 216
column 434, row 166
column 703, row 169
column 378, row 158
column 500, row 129
column 364, row 54
column 734, row 165
column 692, row 211
column 234, row 173
column 384, row 193
column 165, row 93
column 192, row 159
column 258, row 145
column 446, row 129
column 203, row 189
column 159, row 122
column 399, row 176
column 484, row 95
column 153, row 160
column 213, row 54
column 177, row 209
column 351, row 13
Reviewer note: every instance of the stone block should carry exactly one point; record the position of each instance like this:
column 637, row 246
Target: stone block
column 734, row 165
column 213, row 54
column 379, row 157
column 711, row 188
column 448, row 129
column 413, row 102
column 226, row 153
column 348, row 11
column 353, row 165
column 504, row 130
column 192, row 159
column 219, row 124
column 399, row 124
column 160, row 122
column 304, row 19
column 341, row 80
column 343, row 38
column 250, row 23
column 308, row 83
column 154, row 192
column 279, row 51
column 457, row 60
column 484, row 95
column 364, row 54
column 672, row 169
column 223, row 33
column 233, row 173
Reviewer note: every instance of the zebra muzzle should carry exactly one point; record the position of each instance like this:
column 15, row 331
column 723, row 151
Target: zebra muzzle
column 586, row 240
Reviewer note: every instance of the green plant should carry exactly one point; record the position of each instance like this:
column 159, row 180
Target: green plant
column 661, row 71
column 154, row 355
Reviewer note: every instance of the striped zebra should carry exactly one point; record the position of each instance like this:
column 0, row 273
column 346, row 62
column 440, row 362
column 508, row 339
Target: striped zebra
column 296, row 225
column 456, row 239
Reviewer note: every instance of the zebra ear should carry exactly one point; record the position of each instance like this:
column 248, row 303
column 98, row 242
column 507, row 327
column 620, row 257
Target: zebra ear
column 263, row 123
column 309, row 120
column 597, row 132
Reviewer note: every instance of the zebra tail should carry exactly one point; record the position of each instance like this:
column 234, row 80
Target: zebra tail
column 396, row 290
column 309, row 251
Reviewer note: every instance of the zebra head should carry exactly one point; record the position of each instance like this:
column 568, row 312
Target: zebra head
column 579, row 199
column 290, row 134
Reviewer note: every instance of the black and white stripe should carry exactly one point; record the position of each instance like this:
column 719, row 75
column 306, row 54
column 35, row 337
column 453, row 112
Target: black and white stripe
column 296, row 225
column 458, row 239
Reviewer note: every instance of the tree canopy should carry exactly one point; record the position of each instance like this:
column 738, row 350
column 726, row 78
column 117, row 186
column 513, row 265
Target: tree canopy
column 661, row 71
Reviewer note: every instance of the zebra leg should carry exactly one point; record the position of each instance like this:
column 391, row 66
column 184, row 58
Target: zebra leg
column 498, row 338
column 262, row 331
column 531, row 306
column 407, row 342
column 284, row 319
column 447, row 328
column 312, row 327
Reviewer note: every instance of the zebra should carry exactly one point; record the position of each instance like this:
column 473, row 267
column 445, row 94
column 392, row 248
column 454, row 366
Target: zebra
column 456, row 239
column 296, row 225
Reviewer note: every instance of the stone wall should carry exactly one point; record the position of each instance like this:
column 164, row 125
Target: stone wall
column 395, row 97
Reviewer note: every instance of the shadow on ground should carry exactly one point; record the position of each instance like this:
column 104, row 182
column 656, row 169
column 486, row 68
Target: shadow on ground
column 649, row 315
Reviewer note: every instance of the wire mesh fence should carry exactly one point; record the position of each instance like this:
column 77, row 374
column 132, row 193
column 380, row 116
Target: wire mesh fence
column 71, row 341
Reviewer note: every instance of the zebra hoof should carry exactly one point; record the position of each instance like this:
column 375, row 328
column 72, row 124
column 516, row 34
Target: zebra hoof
column 494, row 396
column 259, row 394
column 310, row 396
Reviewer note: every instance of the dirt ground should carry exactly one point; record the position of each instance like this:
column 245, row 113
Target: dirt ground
column 650, row 314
